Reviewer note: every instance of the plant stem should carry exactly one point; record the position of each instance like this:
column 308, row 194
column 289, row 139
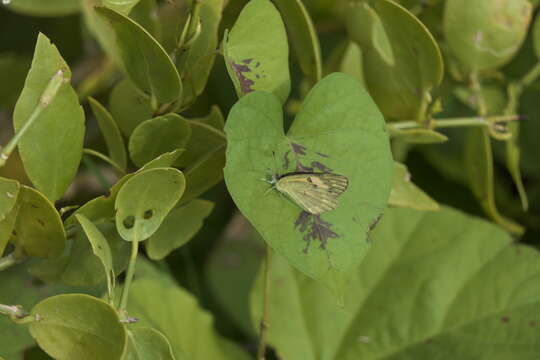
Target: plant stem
column 106, row 159
column 193, row 21
column 12, row 311
column 129, row 275
column 45, row 100
column 266, row 293
column 453, row 122
column 531, row 76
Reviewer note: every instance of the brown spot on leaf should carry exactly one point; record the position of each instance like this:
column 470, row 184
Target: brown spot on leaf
column 41, row 222
column 532, row 323
column 247, row 61
column 505, row 319
column 320, row 166
column 298, row 149
column 303, row 169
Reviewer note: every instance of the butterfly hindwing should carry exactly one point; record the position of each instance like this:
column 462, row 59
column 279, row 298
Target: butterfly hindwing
column 316, row 193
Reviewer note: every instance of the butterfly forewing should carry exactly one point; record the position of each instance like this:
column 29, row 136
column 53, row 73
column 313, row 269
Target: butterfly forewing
column 316, row 193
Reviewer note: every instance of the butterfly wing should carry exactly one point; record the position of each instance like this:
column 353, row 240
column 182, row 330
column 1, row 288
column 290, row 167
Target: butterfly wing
column 316, row 193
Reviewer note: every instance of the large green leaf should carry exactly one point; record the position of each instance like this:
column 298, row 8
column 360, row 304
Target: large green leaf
column 144, row 201
column 43, row 8
column 256, row 51
column 147, row 344
column 338, row 129
column 435, row 285
column 487, row 34
column 174, row 312
column 9, row 190
column 401, row 60
column 145, row 61
column 196, row 62
column 157, row 136
column 50, row 161
column 38, row 228
column 303, row 37
column 78, row 326
column 180, row 226
column 111, row 133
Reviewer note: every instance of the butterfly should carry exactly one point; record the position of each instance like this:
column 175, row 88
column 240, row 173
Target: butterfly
column 316, row 193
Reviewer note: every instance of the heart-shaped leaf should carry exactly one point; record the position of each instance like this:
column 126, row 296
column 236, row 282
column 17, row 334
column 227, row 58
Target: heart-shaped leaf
column 338, row 129
column 78, row 326
column 256, row 51
column 144, row 201
column 435, row 285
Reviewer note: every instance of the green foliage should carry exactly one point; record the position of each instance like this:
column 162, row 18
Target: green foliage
column 333, row 235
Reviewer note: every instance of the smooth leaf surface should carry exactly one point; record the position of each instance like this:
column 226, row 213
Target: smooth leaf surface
column 44, row 8
column 147, row 344
column 9, row 190
column 303, row 36
column 164, row 160
column 38, row 228
column 101, row 29
column 180, row 226
column 435, row 285
column 122, row 6
column 101, row 249
column 488, row 34
column 418, row 136
column 256, row 51
column 339, row 130
column 111, row 133
column 78, row 265
column 401, row 89
column 145, row 61
column 78, row 326
column 157, row 136
column 406, row 194
column 196, row 62
column 50, row 161
column 6, row 228
column 129, row 107
column 204, row 173
column 175, row 313
column 144, row 201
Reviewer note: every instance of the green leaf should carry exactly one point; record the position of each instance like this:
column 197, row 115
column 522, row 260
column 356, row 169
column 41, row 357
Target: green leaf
column 111, row 133
column 121, row 6
column 129, row 107
column 145, row 61
column 488, row 34
column 478, row 160
column 147, row 344
column 78, row 265
column 43, row 8
column 38, row 228
column 418, row 136
column 204, row 173
column 157, row 136
column 356, row 146
column 536, row 37
column 214, row 118
column 175, row 313
column 50, row 161
column 144, row 14
column 164, row 160
column 303, row 37
column 401, row 88
column 144, row 201
column 457, row 292
column 180, row 226
column 197, row 61
column 9, row 190
column 256, row 51
column 6, row 228
column 78, row 326
column 351, row 62
column 18, row 287
column 101, row 29
column 101, row 249
column 405, row 194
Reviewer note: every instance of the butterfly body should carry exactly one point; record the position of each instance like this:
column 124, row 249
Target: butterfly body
column 316, row 193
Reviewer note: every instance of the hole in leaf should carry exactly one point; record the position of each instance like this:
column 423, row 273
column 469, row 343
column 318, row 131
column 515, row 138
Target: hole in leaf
column 148, row 214
column 129, row 221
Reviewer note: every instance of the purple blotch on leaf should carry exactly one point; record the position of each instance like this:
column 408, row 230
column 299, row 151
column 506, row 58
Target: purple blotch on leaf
column 323, row 155
column 298, row 149
column 505, row 319
column 302, row 168
column 320, row 166
column 247, row 61
column 317, row 229
column 245, row 83
column 286, row 161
